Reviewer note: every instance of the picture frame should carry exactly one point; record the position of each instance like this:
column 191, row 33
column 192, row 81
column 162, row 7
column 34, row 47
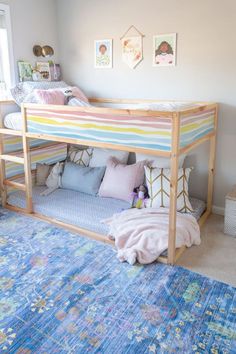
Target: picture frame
column 164, row 49
column 103, row 54
column 44, row 70
column 25, row 71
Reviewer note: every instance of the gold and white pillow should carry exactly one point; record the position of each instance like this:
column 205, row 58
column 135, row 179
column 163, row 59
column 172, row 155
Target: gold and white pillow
column 80, row 156
column 158, row 183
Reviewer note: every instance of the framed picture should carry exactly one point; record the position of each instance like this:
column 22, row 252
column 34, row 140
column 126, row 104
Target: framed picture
column 164, row 50
column 55, row 70
column 44, row 70
column 132, row 50
column 103, row 54
column 25, row 71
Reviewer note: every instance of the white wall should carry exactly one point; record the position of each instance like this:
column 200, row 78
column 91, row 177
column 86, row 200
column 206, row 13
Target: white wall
column 206, row 64
column 33, row 22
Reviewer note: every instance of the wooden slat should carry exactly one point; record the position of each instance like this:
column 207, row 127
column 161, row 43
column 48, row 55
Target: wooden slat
column 27, row 164
column 10, row 132
column 12, row 158
column 13, row 184
column 173, row 187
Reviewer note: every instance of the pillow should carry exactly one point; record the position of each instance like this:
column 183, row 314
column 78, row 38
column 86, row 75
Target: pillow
column 80, row 156
column 54, row 179
column 120, row 180
column 101, row 156
column 42, row 173
column 156, row 161
column 23, row 92
column 78, row 102
column 158, row 183
column 82, row 179
column 54, row 96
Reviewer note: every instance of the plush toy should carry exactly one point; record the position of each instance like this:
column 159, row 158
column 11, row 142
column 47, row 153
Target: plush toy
column 69, row 95
column 140, row 195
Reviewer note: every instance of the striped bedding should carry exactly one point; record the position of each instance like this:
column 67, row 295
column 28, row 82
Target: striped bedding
column 144, row 129
column 14, row 143
column 46, row 154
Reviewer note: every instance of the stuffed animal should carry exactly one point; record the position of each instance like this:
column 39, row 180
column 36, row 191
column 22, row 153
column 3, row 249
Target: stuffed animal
column 140, row 195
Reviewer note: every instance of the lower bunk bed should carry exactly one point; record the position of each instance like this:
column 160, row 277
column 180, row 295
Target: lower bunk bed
column 67, row 207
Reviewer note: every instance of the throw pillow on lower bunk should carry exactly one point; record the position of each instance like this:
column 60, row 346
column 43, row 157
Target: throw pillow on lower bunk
column 101, row 156
column 120, row 180
column 80, row 156
column 158, row 183
column 157, row 161
column 82, row 179
column 42, row 173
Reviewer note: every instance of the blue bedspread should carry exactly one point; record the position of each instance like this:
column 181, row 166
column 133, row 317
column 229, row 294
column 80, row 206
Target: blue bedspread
column 61, row 293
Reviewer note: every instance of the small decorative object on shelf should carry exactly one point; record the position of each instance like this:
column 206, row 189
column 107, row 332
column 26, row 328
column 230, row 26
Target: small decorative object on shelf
column 44, row 69
column 230, row 213
column 25, row 71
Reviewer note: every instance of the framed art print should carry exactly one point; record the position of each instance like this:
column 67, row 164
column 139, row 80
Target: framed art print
column 25, row 71
column 103, row 54
column 164, row 49
column 44, row 69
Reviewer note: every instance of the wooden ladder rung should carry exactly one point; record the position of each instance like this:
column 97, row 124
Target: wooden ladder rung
column 11, row 158
column 10, row 132
column 13, row 184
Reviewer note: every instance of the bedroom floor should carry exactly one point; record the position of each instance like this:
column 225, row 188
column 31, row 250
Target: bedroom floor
column 216, row 256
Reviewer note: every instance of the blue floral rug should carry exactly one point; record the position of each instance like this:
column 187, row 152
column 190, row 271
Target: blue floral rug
column 61, row 293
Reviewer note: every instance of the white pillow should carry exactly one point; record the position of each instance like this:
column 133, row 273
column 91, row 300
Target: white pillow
column 101, row 156
column 158, row 183
column 156, row 161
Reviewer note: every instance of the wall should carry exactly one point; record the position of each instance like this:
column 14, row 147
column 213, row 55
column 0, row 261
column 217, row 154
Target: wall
column 206, row 67
column 33, row 22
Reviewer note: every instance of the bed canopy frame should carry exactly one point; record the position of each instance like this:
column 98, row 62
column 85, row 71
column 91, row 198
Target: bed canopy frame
column 157, row 133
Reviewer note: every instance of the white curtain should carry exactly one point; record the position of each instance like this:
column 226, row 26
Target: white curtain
column 4, row 53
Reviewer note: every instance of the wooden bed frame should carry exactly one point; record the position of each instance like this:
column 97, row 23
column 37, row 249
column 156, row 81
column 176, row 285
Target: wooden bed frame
column 175, row 151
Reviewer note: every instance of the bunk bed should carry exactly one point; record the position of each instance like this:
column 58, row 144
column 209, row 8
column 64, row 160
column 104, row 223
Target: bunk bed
column 115, row 124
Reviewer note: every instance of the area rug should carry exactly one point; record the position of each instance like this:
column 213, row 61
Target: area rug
column 62, row 293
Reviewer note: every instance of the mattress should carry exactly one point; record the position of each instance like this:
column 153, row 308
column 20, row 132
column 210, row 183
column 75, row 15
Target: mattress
column 13, row 121
column 81, row 209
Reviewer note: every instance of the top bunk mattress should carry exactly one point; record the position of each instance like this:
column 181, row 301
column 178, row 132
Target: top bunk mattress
column 13, row 121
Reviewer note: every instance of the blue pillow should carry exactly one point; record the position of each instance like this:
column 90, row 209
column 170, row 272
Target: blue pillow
column 82, row 179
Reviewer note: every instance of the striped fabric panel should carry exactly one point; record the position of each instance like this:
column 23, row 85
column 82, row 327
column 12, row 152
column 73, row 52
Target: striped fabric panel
column 14, row 143
column 132, row 131
column 48, row 154
column 195, row 126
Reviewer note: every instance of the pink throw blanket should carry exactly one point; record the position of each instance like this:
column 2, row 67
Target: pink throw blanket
column 142, row 234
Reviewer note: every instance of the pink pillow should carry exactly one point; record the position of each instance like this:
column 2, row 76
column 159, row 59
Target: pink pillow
column 53, row 96
column 120, row 180
column 79, row 94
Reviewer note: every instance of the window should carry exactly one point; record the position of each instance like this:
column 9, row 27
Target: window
column 7, row 76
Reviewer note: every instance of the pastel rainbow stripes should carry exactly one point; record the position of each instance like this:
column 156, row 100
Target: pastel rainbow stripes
column 46, row 154
column 148, row 132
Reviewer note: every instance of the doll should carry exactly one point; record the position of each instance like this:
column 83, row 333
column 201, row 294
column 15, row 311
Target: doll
column 140, row 195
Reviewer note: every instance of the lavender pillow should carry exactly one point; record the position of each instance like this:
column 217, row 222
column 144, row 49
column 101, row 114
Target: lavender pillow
column 120, row 180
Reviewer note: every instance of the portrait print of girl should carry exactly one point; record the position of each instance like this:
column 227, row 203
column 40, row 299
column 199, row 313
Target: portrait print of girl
column 164, row 50
column 103, row 53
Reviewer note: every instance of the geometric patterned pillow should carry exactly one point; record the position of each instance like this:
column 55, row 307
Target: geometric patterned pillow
column 80, row 156
column 158, row 183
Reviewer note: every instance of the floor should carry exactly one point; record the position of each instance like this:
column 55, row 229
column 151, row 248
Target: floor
column 216, row 256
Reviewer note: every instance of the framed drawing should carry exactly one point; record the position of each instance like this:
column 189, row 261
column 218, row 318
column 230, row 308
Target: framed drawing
column 25, row 71
column 103, row 54
column 132, row 50
column 44, row 70
column 164, row 50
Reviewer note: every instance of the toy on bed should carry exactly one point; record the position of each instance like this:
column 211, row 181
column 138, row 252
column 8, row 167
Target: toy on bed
column 140, row 196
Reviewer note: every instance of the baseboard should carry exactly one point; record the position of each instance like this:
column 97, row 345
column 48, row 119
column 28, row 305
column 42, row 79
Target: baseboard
column 218, row 210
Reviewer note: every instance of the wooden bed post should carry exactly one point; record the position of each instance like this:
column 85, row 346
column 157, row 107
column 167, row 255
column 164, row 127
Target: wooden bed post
column 211, row 165
column 27, row 162
column 173, row 187
column 3, row 188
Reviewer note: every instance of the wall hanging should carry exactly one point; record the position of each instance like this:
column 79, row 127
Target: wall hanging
column 164, row 50
column 132, row 47
column 103, row 53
